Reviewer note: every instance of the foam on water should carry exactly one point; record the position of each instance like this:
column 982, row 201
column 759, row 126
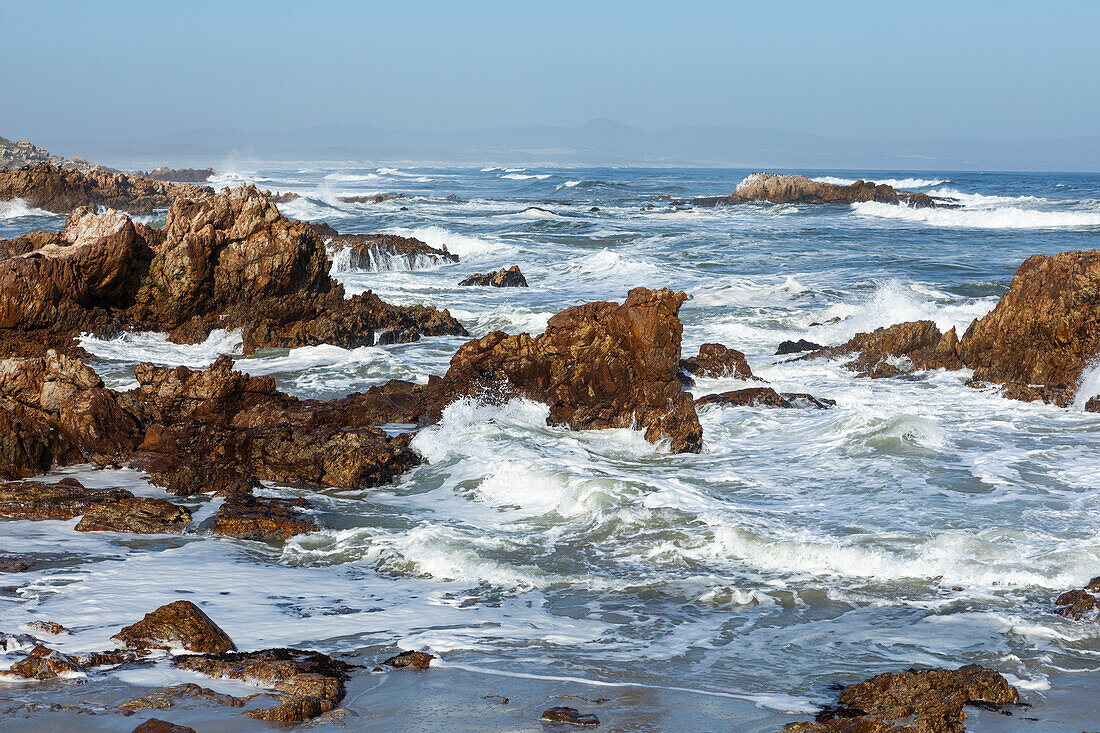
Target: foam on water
column 1088, row 387
column 1006, row 217
column 155, row 347
column 902, row 183
column 19, row 209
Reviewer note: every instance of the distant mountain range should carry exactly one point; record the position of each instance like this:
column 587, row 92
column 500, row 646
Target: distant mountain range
column 600, row 142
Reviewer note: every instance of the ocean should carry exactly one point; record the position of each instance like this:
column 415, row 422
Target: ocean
column 921, row 522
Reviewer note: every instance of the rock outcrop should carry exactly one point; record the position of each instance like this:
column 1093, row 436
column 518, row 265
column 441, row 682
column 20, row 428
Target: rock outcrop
column 380, row 252
column 1080, row 604
column 715, row 361
column 797, row 347
column 60, row 190
column 798, row 189
column 177, row 175
column 177, row 625
column 920, row 700
column 414, row 659
column 227, row 260
column 1043, row 332
column 568, row 715
column 252, row 518
column 156, row 725
column 309, row 683
column 766, row 397
column 135, row 514
column 899, row 349
column 43, row 663
column 502, row 278
column 65, row 499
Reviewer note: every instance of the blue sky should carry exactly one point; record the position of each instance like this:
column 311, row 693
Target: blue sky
column 873, row 71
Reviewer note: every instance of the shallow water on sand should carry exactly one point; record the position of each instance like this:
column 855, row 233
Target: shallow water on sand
column 921, row 522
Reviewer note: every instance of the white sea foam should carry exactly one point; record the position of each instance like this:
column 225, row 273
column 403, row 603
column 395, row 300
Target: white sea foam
column 526, row 176
column 902, row 183
column 1088, row 387
column 568, row 184
column 463, row 245
column 1008, row 217
column 155, row 347
column 18, row 208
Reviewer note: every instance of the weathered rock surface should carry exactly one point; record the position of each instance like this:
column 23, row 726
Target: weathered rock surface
column 60, row 190
column 252, row 518
column 765, row 396
column 47, row 627
column 227, row 260
column 798, row 189
column 139, row 515
column 167, row 697
column 1080, row 604
column 925, row 701
column 23, row 152
column 180, row 624
column 309, row 683
column 716, row 361
column 1044, row 331
column 502, row 278
column 43, row 663
column 572, row 716
column 796, row 347
column 378, row 252
column 65, row 499
column 178, row 175
column 899, row 349
column 417, row 660
column 156, row 725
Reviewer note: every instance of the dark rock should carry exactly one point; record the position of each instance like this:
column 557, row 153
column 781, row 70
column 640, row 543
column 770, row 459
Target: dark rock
column 252, row 518
column 510, row 278
column 309, row 683
column 378, row 252
column 716, row 361
column 47, row 627
column 178, row 175
column 167, row 697
column 571, row 716
column 180, row 624
column 139, row 515
column 765, row 396
column 13, row 565
column 795, row 347
column 418, row 660
column 156, row 725
column 370, row 199
column 1093, row 404
column 798, row 189
column 1080, row 604
column 63, row 500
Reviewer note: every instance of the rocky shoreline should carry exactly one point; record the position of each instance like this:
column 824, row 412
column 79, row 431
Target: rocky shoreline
column 230, row 260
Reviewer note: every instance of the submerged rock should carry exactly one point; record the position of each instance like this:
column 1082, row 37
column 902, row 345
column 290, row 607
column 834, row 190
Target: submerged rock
column 765, row 396
column 920, row 700
column 60, row 190
column 252, row 518
column 418, row 660
column 798, row 189
column 1080, row 604
column 167, row 697
column 136, row 514
column 1043, row 332
column 571, row 716
column 502, row 278
column 177, row 625
column 47, row 627
column 65, row 499
column 716, row 361
column 156, row 725
column 309, row 683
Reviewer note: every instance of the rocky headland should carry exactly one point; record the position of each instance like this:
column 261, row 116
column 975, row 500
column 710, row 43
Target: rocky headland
column 61, row 190
column 798, row 189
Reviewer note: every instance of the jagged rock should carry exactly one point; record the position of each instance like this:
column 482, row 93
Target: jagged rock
column 156, row 725
column 43, row 663
column 1044, row 331
column 47, row 627
column 184, row 477
column 370, row 199
column 795, row 347
column 180, row 624
column 716, row 361
column 1080, row 604
column 798, row 189
column 417, row 660
column 64, row 500
column 177, row 175
column 136, row 514
column 45, row 186
column 502, row 278
column 929, row 701
column 252, row 518
column 309, row 683
column 571, row 716
column 901, row 348
column 376, row 252
column 765, row 396
column 167, row 697
column 111, row 658
column 598, row 365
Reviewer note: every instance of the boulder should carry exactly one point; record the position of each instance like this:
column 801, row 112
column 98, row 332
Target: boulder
column 309, row 683
column 252, row 518
column 135, row 514
column 1044, row 331
column 180, row 624
column 716, row 361
column 65, row 499
column 379, row 252
column 905, row 347
column 926, row 700
column 795, row 347
column 1080, row 604
column 798, row 189
column 156, row 725
column 414, row 659
column 572, row 716
column 43, row 663
column 766, row 397
column 60, row 190
column 502, row 278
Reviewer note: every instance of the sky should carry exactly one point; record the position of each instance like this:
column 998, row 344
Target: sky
column 862, row 70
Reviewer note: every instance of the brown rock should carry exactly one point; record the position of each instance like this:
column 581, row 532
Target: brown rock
column 929, row 701
column 417, row 660
column 1080, row 604
column 1045, row 329
column 64, row 500
column 138, row 515
column 180, row 624
column 309, row 683
column 598, row 365
column 716, row 361
column 167, row 697
column 502, row 278
column 47, row 627
column 13, row 565
column 111, row 658
column 43, row 663
column 765, row 396
column 377, row 252
column 883, row 352
column 156, row 725
column 48, row 187
column 798, row 189
column 571, row 716
column 252, row 518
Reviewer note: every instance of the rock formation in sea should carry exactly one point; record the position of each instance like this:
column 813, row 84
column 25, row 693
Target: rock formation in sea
column 929, row 700
column 715, row 361
column 899, row 349
column 60, row 190
column 502, row 278
column 798, row 189
column 765, row 397
column 177, row 175
column 1083, row 603
column 226, row 260
column 379, row 252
